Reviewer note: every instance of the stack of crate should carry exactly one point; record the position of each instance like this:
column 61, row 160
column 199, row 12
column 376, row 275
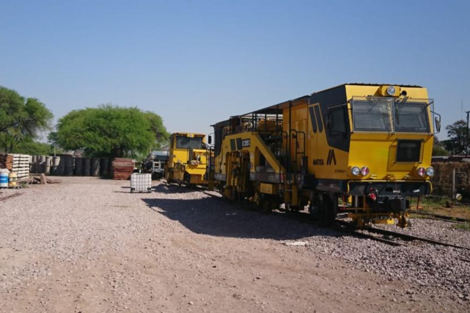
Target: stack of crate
column 21, row 165
column 16, row 163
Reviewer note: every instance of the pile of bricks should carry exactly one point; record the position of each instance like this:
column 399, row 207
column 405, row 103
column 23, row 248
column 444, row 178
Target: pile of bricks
column 122, row 168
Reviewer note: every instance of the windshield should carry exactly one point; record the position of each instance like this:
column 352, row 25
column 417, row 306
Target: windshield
column 183, row 142
column 376, row 114
column 411, row 117
column 372, row 115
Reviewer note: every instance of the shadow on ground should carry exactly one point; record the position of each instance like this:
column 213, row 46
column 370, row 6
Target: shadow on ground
column 216, row 217
column 172, row 189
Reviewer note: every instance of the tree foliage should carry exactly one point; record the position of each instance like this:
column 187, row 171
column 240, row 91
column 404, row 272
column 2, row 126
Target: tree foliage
column 438, row 148
column 157, row 128
column 458, row 137
column 20, row 119
column 109, row 131
column 32, row 147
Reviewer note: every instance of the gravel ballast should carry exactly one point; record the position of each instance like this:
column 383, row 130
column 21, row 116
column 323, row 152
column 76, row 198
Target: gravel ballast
column 89, row 245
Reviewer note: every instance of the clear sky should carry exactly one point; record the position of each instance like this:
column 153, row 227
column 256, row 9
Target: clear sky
column 198, row 62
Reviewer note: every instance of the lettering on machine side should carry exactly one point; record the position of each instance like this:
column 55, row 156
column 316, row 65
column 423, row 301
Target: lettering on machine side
column 318, row 162
column 246, row 143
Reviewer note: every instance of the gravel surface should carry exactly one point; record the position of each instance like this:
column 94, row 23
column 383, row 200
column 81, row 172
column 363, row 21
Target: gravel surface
column 433, row 229
column 88, row 245
column 437, row 270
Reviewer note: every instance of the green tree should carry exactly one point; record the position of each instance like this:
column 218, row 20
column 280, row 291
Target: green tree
column 20, row 119
column 32, row 147
column 458, row 137
column 439, row 151
column 109, row 131
column 438, row 148
column 158, row 129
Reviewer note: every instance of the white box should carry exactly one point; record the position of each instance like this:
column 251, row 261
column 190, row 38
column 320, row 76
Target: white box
column 141, row 182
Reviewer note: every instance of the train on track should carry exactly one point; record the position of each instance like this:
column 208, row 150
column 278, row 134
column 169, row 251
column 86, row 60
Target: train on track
column 364, row 149
column 188, row 159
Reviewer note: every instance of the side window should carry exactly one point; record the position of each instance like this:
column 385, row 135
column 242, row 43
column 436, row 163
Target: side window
column 337, row 122
column 319, row 118
column 314, row 122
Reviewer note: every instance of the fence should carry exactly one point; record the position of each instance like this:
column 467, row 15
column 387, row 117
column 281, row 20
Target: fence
column 450, row 178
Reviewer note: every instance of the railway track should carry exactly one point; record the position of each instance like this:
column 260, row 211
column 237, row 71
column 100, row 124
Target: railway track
column 348, row 228
column 442, row 217
column 355, row 232
column 405, row 237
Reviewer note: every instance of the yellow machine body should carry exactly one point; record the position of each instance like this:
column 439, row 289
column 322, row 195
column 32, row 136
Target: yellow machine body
column 307, row 152
column 188, row 159
column 376, row 150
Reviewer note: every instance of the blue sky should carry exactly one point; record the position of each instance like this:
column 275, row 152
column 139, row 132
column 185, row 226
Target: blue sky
column 198, row 62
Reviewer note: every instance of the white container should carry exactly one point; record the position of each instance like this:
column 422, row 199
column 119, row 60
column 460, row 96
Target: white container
column 141, row 182
column 4, row 178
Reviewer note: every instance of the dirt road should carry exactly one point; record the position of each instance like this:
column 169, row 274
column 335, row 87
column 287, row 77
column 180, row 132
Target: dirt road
column 88, row 245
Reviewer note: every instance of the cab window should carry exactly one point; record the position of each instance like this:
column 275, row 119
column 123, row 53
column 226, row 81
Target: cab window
column 337, row 121
column 183, row 142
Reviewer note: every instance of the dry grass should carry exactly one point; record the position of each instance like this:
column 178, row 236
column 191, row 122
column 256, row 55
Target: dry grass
column 439, row 206
column 463, row 226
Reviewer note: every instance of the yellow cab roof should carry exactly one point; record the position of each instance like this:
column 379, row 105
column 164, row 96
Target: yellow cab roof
column 277, row 108
column 185, row 134
column 304, row 99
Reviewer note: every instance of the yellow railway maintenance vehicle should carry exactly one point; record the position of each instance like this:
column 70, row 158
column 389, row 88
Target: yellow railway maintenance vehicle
column 188, row 159
column 358, row 148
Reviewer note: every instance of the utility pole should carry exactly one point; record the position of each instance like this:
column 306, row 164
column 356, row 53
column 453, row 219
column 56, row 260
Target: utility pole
column 466, row 135
column 461, row 110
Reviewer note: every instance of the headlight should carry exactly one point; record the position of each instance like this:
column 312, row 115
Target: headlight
column 430, row 171
column 421, row 171
column 355, row 170
column 391, row 90
column 365, row 171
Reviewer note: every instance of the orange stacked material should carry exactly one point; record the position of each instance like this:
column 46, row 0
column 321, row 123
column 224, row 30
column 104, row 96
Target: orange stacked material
column 6, row 161
column 123, row 168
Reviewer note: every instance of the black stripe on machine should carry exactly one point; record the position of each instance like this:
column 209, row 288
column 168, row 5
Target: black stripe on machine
column 331, row 157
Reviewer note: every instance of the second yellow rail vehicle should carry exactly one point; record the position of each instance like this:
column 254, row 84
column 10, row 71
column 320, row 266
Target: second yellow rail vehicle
column 188, row 159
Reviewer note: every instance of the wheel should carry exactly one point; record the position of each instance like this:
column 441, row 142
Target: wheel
column 324, row 208
column 331, row 208
column 293, row 209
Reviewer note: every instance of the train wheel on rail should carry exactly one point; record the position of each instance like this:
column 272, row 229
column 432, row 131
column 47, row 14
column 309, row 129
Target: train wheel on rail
column 324, row 208
column 262, row 202
column 331, row 208
column 292, row 208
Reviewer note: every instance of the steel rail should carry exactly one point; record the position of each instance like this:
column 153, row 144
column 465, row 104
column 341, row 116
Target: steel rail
column 412, row 237
column 355, row 232
column 442, row 217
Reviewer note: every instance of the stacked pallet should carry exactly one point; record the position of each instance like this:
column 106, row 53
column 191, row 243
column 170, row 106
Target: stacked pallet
column 17, row 163
column 21, row 165
column 123, row 168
